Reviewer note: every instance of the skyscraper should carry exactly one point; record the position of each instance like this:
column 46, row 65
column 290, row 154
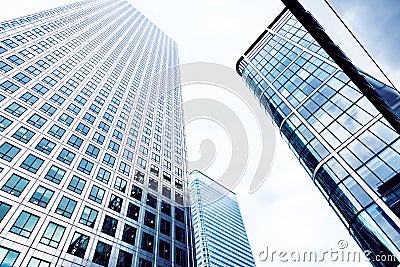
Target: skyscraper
column 219, row 233
column 92, row 151
column 341, row 123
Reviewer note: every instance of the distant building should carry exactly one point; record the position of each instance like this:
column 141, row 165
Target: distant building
column 342, row 124
column 219, row 233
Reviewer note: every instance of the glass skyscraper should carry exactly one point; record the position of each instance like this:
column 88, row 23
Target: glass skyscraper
column 92, row 151
column 341, row 123
column 219, row 233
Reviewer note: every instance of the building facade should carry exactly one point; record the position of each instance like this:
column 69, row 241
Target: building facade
column 339, row 122
column 92, row 151
column 219, row 233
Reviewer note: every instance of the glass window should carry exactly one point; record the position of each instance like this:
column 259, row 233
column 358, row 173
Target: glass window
column 151, row 201
column 52, row 235
column 179, row 256
column 179, row 215
column 5, row 67
column 144, row 263
column 75, row 141
column 21, row 78
column 166, row 208
column 40, row 89
column 115, row 203
column 32, row 163
column 98, row 138
column 92, row 151
column 25, row 224
column 77, row 184
column 129, row 234
column 124, row 259
column 4, row 208
column 55, row 174
column 164, row 250
column 42, row 196
column 147, row 242
column 23, row 134
column 82, row 128
column 109, row 160
column 15, row 185
column 103, row 175
column 45, row 146
column 32, row 70
column 35, row 262
column 9, row 87
column 165, row 227
column 66, row 156
column 96, row 194
column 67, row 120
column 28, row 98
column 88, row 217
column 133, row 211
column 37, row 121
column 85, row 166
column 179, row 234
column 149, row 219
column 48, row 109
column 15, row 109
column 120, row 184
column 78, row 245
column 56, row 131
column 15, row 60
column 109, row 226
column 102, row 254
column 66, row 207
column 8, row 256
column 4, row 123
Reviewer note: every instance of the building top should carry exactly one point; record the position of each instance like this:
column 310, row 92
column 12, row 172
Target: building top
column 198, row 175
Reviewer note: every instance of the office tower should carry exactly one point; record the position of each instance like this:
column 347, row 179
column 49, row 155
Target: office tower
column 219, row 233
column 92, row 152
column 339, row 122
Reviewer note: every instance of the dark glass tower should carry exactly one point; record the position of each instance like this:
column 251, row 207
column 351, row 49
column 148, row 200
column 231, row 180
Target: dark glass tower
column 92, row 152
column 219, row 233
column 342, row 124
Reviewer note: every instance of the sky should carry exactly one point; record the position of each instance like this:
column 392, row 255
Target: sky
column 287, row 213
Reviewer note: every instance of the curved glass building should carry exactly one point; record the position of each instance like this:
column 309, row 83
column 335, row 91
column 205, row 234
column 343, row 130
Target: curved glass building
column 219, row 233
column 92, row 151
column 341, row 123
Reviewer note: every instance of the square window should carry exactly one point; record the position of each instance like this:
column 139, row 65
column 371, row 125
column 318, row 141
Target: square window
column 40, row 89
column 15, row 185
column 151, row 201
column 147, row 242
column 149, row 219
column 109, row 226
column 88, row 217
column 78, row 245
column 37, row 121
column 23, row 134
column 48, row 109
column 75, row 141
column 28, row 98
column 52, row 235
column 164, row 250
column 66, row 207
column 77, row 184
column 8, row 256
column 115, row 203
column 120, row 184
column 35, row 262
column 129, row 234
column 42, row 196
column 102, row 254
column 136, row 193
column 4, row 123
column 96, row 194
column 9, row 87
column 124, row 259
column 45, row 146
column 85, row 166
column 66, row 156
column 55, row 174
column 4, row 208
column 15, row 109
column 165, row 227
column 56, row 131
column 25, row 224
column 32, row 163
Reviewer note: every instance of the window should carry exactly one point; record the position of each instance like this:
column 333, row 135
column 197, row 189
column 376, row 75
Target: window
column 52, row 235
column 133, row 212
column 102, row 254
column 98, row 138
column 66, row 207
column 94, row 109
column 85, row 166
column 48, row 109
column 42, row 64
column 74, row 109
column 104, row 127
column 8, row 256
column 149, row 219
column 164, row 250
column 136, row 192
column 75, row 141
column 9, row 87
column 88, row 217
column 45, row 146
column 25, row 224
column 22, row 78
column 103, row 175
column 166, row 208
column 151, row 201
column 124, row 259
column 40, row 89
column 37, row 121
column 129, row 234
column 24, row 135
column 144, row 263
column 4, row 123
column 114, row 147
column 141, row 162
column 82, row 128
column 109, row 226
column 15, row 185
column 42, row 196
column 32, row 163
column 115, row 203
column 118, row 135
column 9, row 43
column 56, row 131
column 124, row 168
column 120, row 184
column 50, row 81
column 67, row 120
column 147, row 242
column 92, row 151
column 179, row 256
column 128, row 155
column 77, row 184
column 109, row 160
column 32, row 70
column 29, row 98
column 165, row 227
column 96, row 194
column 179, row 215
column 55, row 174
column 15, row 60
column 35, row 262
column 65, row 90
column 15, row 109
column 4, row 208
column 89, row 118
column 78, row 245
column 57, row 99
column 66, row 156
